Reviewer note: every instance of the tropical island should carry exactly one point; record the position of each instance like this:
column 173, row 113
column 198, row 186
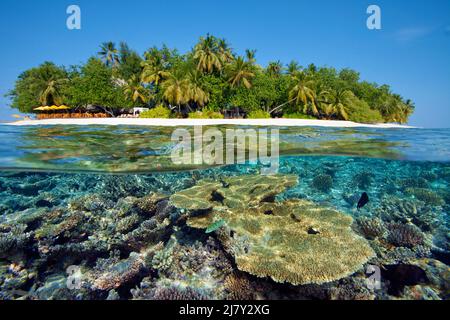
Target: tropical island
column 209, row 82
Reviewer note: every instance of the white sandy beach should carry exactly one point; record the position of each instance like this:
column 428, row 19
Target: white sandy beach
column 204, row 122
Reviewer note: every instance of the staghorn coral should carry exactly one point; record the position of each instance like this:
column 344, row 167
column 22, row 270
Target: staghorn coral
column 393, row 209
column 297, row 241
column 67, row 224
column 354, row 288
column 200, row 260
column 112, row 273
column 128, row 223
column 405, row 235
column 148, row 205
column 363, row 180
column 238, row 287
column 162, row 259
column 425, row 195
column 168, row 292
column 429, row 176
column 323, row 182
column 370, row 228
column 13, row 239
column 414, row 183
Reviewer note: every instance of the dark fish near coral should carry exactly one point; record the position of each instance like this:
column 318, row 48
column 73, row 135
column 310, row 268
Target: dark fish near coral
column 401, row 275
column 363, row 200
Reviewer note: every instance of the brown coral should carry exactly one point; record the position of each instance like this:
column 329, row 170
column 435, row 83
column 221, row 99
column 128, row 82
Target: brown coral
column 371, row 228
column 405, row 235
column 238, row 287
column 118, row 274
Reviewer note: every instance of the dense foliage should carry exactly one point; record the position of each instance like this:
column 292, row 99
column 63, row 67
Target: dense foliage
column 210, row 77
column 160, row 112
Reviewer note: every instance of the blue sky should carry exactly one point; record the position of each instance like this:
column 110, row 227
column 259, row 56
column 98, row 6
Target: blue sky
column 411, row 52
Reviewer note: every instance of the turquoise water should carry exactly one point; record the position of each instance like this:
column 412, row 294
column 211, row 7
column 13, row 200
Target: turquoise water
column 100, row 200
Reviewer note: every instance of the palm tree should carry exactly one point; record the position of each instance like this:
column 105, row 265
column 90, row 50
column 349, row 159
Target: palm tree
column 302, row 94
column 153, row 70
column 250, row 55
column 207, row 56
column 240, row 73
column 136, row 91
column 176, row 90
column 338, row 102
column 225, row 51
column 196, row 92
column 392, row 108
column 293, row 68
column 109, row 54
column 274, row 68
column 322, row 98
column 311, row 70
column 410, row 104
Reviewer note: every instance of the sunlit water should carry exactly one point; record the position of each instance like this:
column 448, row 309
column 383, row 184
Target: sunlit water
column 45, row 169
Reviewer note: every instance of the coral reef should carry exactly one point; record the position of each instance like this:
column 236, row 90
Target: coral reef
column 394, row 209
column 113, row 273
column 294, row 241
column 323, row 182
column 371, row 228
column 426, row 195
column 238, row 287
column 268, row 237
column 363, row 180
column 405, row 235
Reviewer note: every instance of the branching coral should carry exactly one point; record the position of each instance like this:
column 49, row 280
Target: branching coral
column 12, row 239
column 238, row 287
column 371, row 228
column 113, row 273
column 169, row 292
column 295, row 241
column 425, row 195
column 405, row 235
column 323, row 182
column 162, row 260
column 393, row 209
column 363, row 180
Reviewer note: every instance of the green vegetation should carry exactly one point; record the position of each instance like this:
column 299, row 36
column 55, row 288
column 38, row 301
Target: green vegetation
column 297, row 115
column 160, row 112
column 208, row 80
column 258, row 114
column 205, row 114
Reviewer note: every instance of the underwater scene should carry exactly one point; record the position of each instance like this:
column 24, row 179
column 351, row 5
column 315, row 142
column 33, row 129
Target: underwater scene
column 101, row 212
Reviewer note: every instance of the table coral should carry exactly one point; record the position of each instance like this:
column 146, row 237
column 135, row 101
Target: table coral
column 293, row 241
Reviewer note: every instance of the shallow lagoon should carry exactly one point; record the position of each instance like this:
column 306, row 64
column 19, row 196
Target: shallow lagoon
column 100, row 201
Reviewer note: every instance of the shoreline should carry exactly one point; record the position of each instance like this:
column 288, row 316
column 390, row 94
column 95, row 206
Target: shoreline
column 205, row 122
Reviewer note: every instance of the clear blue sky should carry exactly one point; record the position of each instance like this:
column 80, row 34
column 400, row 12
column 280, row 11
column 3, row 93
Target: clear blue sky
column 411, row 52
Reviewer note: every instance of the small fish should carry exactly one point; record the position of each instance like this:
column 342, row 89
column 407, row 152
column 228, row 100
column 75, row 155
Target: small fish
column 215, row 226
column 363, row 200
